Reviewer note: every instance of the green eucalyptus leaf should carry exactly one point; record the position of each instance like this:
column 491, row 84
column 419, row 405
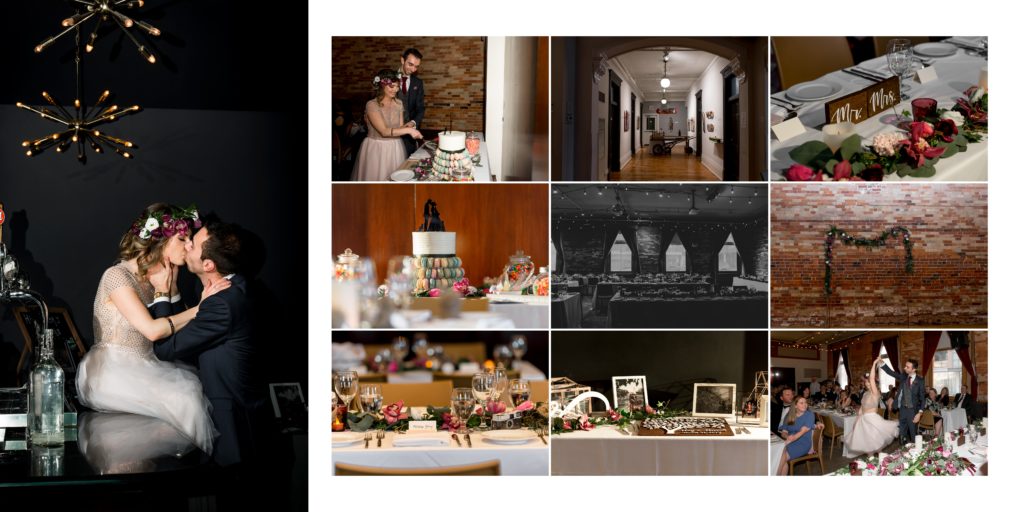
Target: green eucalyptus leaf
column 811, row 154
column 831, row 165
column 360, row 423
column 857, row 168
column 925, row 171
column 850, row 146
column 951, row 149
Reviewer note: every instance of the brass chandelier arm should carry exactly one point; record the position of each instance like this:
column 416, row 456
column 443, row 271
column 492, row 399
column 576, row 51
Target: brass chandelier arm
column 43, row 45
column 47, row 115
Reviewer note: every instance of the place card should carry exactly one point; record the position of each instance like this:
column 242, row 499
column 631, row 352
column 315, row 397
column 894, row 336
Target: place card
column 788, row 129
column 864, row 104
column 422, row 426
column 925, row 75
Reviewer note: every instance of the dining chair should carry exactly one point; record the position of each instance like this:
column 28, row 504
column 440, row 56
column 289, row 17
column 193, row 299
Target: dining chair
column 802, row 59
column 438, row 393
column 927, row 423
column 539, row 391
column 486, row 468
column 881, row 42
column 832, row 432
column 817, row 442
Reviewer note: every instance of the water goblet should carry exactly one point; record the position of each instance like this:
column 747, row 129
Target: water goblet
column 463, row 404
column 900, row 56
column 371, row 398
column 520, row 391
column 346, row 385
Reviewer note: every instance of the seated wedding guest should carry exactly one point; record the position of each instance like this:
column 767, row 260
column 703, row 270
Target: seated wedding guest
column 779, row 410
column 830, row 392
column 932, row 403
column 844, row 400
column 815, row 388
column 964, row 400
column 798, row 431
column 806, row 393
column 944, row 397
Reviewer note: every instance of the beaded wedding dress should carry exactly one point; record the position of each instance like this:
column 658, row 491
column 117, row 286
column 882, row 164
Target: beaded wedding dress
column 122, row 374
column 870, row 432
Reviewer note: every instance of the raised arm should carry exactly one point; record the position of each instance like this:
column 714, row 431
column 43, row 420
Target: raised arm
column 891, row 373
column 871, row 379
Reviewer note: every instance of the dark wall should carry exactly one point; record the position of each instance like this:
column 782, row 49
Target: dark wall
column 536, row 341
column 223, row 125
column 593, row 358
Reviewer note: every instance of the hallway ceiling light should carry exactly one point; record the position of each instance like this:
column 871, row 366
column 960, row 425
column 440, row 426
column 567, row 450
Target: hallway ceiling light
column 663, row 100
column 665, row 82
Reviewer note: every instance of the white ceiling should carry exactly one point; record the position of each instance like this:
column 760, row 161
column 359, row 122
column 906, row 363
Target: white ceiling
column 663, row 201
column 684, row 68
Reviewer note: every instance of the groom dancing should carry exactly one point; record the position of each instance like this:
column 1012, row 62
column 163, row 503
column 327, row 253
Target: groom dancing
column 909, row 398
column 410, row 91
column 218, row 340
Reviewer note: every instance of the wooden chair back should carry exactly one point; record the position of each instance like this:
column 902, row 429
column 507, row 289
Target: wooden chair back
column 437, row 393
column 802, row 59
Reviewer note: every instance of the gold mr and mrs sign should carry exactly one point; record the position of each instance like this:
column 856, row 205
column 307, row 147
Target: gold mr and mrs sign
column 865, row 103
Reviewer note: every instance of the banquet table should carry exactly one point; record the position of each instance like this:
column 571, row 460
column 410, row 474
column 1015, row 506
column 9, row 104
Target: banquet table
column 608, row 451
column 953, row 419
column 530, row 458
column 480, row 174
column 844, row 421
column 604, row 291
column 498, row 316
column 776, row 447
column 956, row 74
column 977, row 453
column 567, row 311
column 702, row 312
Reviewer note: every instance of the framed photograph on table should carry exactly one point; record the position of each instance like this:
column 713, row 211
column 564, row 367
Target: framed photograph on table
column 714, row 400
column 68, row 349
column 625, row 386
column 289, row 404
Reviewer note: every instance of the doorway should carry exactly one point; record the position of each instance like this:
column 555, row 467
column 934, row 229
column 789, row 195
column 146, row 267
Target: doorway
column 700, row 124
column 731, row 126
column 614, row 121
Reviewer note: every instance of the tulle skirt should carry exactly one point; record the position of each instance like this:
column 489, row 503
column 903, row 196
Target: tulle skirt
column 869, row 434
column 378, row 158
column 113, row 379
column 116, row 443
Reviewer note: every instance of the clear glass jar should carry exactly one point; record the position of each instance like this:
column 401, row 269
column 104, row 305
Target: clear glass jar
column 518, row 272
column 46, row 397
column 542, row 283
column 345, row 265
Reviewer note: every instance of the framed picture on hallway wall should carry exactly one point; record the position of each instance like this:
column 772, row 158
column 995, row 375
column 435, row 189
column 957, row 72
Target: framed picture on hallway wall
column 625, row 120
column 651, row 123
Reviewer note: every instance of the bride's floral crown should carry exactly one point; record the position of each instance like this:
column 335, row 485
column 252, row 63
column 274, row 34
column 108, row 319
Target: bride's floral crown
column 385, row 78
column 171, row 221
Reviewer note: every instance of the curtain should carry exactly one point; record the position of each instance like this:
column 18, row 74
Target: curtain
column 846, row 364
column 717, row 238
column 629, row 233
column 556, row 238
column 876, row 348
column 609, row 240
column 702, row 248
column 963, row 349
column 667, row 234
column 747, row 244
column 892, row 347
column 931, row 344
column 835, row 366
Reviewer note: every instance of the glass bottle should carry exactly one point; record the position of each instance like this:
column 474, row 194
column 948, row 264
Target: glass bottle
column 46, row 397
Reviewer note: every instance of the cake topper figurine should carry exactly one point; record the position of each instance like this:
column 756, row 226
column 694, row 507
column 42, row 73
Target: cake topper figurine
column 431, row 218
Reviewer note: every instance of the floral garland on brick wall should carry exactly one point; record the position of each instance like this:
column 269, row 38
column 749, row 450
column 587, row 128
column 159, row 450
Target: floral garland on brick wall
column 834, row 233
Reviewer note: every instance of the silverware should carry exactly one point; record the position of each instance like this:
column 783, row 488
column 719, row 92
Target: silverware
column 785, row 102
column 367, row 437
column 456, row 438
column 469, row 442
column 540, row 434
column 862, row 75
column 380, row 436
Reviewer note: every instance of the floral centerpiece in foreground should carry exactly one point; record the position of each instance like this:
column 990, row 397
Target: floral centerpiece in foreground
column 913, row 151
column 393, row 418
column 932, row 459
column 620, row 418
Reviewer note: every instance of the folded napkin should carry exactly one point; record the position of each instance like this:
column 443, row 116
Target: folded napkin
column 414, row 440
column 346, row 437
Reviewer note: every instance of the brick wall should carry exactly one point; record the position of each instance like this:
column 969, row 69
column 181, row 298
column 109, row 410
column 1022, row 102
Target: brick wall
column 583, row 251
column 452, row 71
column 948, row 224
column 648, row 241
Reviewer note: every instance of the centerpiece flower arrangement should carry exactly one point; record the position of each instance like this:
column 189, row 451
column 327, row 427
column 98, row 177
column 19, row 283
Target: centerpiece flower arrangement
column 392, row 418
column 620, row 418
column 462, row 287
column 932, row 459
column 913, row 151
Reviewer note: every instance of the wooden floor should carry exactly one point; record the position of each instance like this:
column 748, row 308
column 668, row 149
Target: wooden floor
column 676, row 166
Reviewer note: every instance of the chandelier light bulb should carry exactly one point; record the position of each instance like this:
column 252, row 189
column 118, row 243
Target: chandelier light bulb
column 665, row 82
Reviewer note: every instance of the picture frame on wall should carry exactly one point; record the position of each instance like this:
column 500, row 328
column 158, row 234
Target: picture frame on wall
column 651, row 124
column 68, row 349
column 714, row 400
column 623, row 386
column 626, row 118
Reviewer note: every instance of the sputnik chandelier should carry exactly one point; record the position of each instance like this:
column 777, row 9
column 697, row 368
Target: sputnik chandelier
column 79, row 124
column 105, row 10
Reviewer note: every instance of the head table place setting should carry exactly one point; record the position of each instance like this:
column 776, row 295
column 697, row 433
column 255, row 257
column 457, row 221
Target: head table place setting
column 914, row 112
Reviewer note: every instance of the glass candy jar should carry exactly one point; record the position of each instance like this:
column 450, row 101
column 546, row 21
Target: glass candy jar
column 518, row 272
column 542, row 283
column 345, row 265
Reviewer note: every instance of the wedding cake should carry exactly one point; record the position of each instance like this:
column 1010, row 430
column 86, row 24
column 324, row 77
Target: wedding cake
column 452, row 161
column 437, row 266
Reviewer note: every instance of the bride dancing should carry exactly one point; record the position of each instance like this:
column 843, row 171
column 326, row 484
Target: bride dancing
column 120, row 373
column 870, row 432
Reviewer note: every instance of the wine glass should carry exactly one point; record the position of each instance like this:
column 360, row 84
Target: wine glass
column 399, row 349
column 501, row 382
column 463, row 404
column 483, row 388
column 371, row 398
column 900, row 55
column 520, row 390
column 401, row 280
column 518, row 346
column 502, row 354
column 346, row 385
column 420, row 345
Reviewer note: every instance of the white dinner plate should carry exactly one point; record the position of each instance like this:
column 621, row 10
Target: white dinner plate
column 935, row 49
column 343, row 438
column 813, row 91
column 508, row 436
column 403, row 175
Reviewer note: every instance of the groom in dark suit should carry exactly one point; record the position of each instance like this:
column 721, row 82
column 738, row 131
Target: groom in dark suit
column 217, row 340
column 410, row 91
column 909, row 398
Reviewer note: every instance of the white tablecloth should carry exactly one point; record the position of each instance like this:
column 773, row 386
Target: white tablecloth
column 607, row 451
column 777, row 447
column 955, row 75
column 525, row 459
column 976, row 453
column 524, row 316
column 480, row 174
column 499, row 316
column 842, row 421
column 953, row 419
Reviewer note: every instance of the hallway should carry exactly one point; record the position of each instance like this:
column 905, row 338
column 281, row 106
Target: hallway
column 676, row 166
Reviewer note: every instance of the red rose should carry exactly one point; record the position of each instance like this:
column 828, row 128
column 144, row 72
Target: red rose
column 797, row 172
column 946, row 129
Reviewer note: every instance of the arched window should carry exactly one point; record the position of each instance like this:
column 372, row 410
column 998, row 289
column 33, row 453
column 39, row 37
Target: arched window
column 841, row 377
column 675, row 256
column 729, row 257
column 553, row 257
column 947, row 370
column 622, row 257
column 884, row 380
